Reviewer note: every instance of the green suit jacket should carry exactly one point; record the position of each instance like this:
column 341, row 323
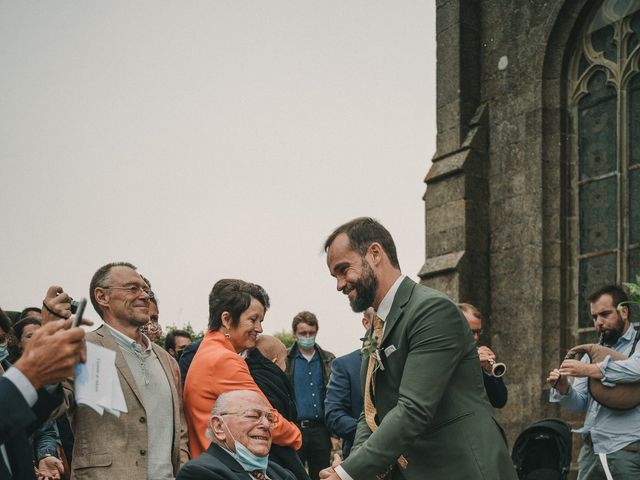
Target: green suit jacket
column 430, row 398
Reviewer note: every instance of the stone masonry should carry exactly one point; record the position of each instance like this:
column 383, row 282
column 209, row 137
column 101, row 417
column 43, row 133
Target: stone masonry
column 495, row 201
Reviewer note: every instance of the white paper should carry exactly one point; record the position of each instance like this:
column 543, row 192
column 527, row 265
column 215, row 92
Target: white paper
column 97, row 384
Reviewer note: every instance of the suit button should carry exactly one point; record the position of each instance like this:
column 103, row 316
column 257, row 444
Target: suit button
column 143, row 452
column 143, row 420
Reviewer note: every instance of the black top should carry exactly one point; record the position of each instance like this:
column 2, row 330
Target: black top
column 16, row 428
column 496, row 390
column 274, row 384
column 187, row 357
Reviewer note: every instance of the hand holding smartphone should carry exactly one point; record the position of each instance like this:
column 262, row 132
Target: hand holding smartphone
column 77, row 320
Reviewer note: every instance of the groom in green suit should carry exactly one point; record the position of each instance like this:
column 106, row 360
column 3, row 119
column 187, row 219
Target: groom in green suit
column 426, row 414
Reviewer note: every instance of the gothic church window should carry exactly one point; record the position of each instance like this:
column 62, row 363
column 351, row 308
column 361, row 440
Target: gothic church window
column 604, row 106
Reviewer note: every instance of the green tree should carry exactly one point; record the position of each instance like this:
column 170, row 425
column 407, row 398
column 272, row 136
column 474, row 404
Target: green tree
column 188, row 328
column 285, row 337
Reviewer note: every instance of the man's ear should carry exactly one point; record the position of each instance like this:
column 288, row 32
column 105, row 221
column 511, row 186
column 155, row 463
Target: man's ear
column 624, row 312
column 217, row 429
column 376, row 252
column 101, row 297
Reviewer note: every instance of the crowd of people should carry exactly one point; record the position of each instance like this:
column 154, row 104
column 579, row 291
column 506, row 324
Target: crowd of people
column 415, row 402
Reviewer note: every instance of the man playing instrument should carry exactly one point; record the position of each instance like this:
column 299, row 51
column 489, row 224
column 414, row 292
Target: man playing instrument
column 611, row 438
column 494, row 386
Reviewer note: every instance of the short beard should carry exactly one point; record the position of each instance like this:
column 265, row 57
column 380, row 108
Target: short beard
column 366, row 288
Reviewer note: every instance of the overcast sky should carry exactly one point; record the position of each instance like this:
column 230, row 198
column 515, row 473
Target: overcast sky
column 210, row 139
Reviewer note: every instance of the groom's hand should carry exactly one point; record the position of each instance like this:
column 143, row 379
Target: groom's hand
column 329, row 474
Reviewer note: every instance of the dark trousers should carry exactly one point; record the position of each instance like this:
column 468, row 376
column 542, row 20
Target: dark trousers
column 316, row 447
column 623, row 464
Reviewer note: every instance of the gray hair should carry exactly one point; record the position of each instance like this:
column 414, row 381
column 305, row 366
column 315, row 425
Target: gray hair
column 100, row 279
column 224, row 401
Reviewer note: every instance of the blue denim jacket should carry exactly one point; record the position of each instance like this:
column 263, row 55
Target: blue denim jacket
column 46, row 440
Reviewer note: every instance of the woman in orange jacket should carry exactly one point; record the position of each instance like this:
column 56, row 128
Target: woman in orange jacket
column 236, row 312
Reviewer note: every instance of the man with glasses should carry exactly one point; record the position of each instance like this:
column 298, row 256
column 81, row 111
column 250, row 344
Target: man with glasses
column 494, row 386
column 150, row 440
column 309, row 369
column 240, row 431
column 152, row 329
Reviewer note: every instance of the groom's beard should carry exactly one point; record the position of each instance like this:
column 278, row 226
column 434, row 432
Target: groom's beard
column 366, row 288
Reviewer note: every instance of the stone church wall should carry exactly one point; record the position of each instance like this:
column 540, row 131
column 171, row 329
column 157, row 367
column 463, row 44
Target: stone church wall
column 494, row 202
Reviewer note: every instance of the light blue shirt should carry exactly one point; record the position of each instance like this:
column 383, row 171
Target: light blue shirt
column 129, row 343
column 610, row 430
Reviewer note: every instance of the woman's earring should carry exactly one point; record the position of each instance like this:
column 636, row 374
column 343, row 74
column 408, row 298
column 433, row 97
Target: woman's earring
column 227, row 335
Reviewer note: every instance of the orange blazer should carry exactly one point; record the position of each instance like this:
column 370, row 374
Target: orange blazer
column 217, row 368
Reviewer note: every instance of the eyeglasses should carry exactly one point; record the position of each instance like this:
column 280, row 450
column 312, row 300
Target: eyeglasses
column 134, row 290
column 255, row 415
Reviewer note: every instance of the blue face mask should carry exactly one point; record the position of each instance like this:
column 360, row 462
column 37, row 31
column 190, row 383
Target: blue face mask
column 249, row 461
column 4, row 352
column 307, row 342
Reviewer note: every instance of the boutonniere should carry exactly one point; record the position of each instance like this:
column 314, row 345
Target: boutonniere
column 370, row 345
column 371, row 348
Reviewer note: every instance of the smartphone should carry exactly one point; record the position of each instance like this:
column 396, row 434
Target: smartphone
column 79, row 312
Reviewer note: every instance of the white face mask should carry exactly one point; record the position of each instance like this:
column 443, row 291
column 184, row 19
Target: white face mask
column 307, row 342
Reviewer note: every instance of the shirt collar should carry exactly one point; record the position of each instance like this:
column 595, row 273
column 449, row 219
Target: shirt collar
column 385, row 305
column 130, row 342
column 299, row 354
column 629, row 335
